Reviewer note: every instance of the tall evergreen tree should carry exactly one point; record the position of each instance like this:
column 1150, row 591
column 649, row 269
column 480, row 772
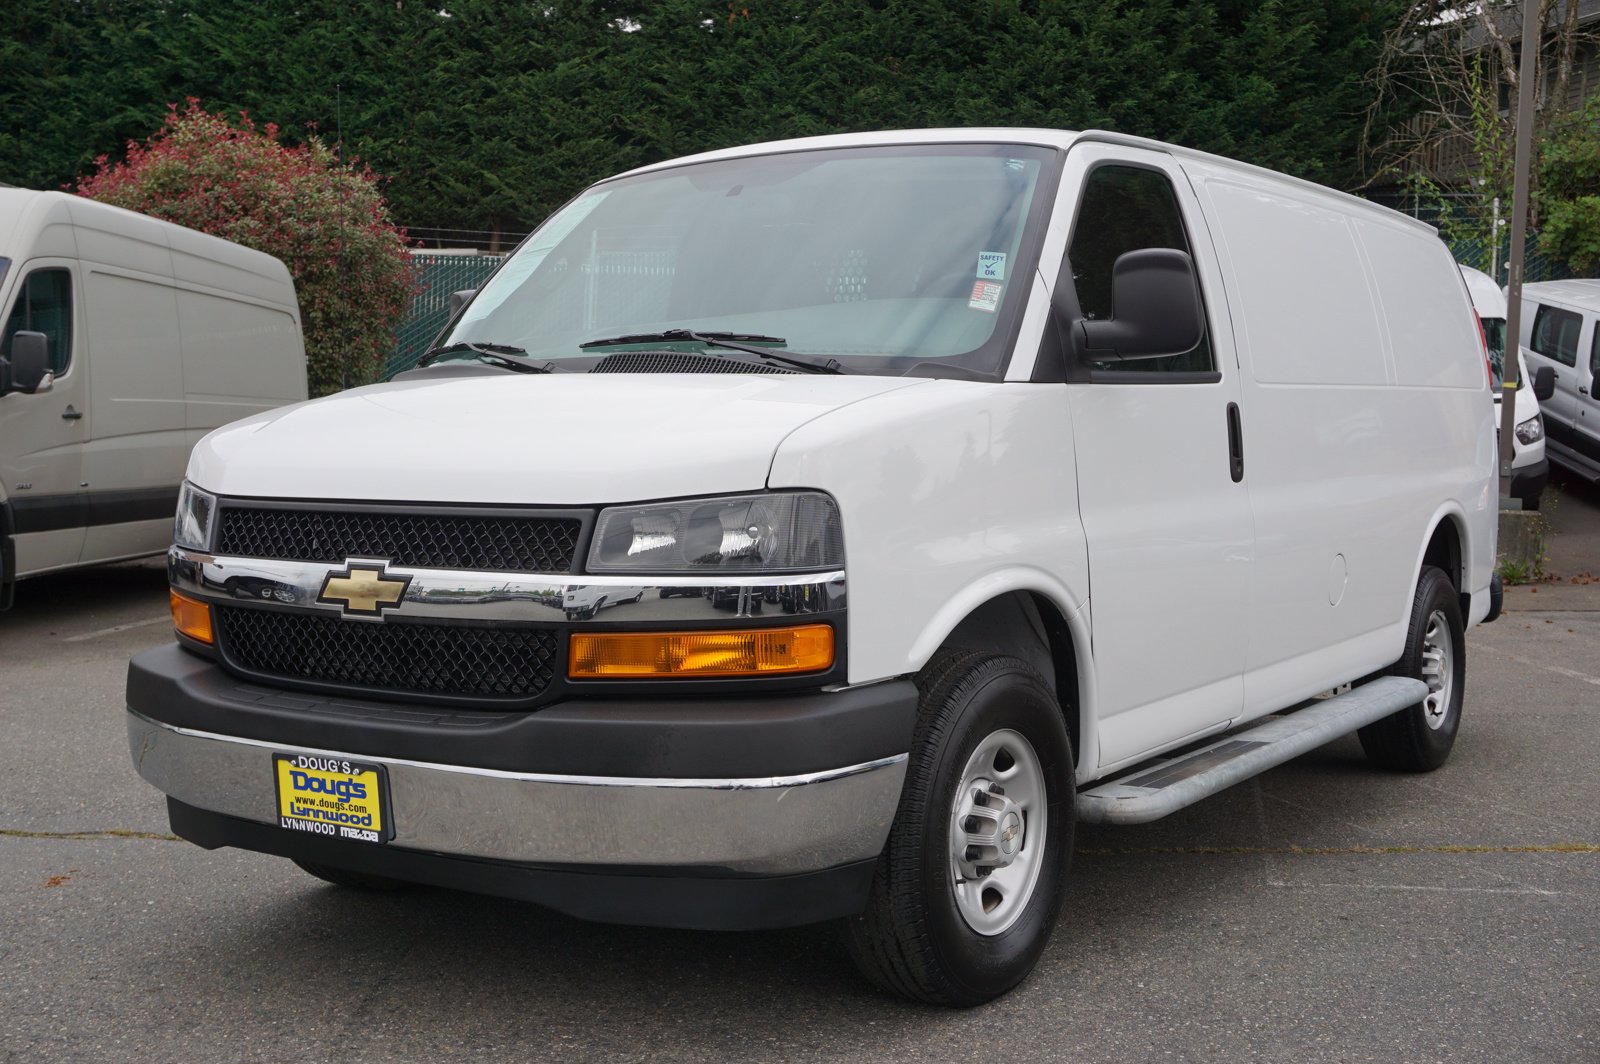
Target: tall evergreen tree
column 488, row 114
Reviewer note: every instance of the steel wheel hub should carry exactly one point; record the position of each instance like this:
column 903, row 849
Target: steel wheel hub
column 997, row 830
column 1438, row 670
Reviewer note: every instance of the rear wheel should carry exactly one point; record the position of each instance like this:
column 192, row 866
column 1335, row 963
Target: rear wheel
column 342, row 877
column 968, row 887
column 1418, row 738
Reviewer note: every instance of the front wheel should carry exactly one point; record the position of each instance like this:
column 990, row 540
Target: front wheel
column 968, row 887
column 1418, row 738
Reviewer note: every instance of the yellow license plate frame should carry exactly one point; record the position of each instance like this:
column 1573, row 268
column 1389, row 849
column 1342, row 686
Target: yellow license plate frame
column 332, row 798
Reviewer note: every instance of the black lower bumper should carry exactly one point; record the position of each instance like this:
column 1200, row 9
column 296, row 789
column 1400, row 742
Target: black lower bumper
column 1529, row 482
column 735, row 736
column 729, row 813
column 660, row 898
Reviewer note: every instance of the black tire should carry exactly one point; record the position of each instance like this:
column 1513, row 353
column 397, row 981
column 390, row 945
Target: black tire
column 341, row 877
column 1531, row 502
column 913, row 939
column 1406, row 741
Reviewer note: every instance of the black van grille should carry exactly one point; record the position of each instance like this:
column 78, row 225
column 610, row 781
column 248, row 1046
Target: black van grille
column 422, row 540
column 428, row 659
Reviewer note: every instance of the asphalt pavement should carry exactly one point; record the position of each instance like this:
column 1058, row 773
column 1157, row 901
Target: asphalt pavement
column 1322, row 912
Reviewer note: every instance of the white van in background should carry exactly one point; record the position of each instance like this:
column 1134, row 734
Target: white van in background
column 1110, row 367
column 125, row 340
column 1529, row 467
column 1561, row 333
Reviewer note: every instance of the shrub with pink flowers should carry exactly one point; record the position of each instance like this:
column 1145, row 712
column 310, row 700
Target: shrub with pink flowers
column 324, row 217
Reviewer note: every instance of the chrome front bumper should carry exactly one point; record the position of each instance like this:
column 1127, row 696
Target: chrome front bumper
column 766, row 826
column 505, row 597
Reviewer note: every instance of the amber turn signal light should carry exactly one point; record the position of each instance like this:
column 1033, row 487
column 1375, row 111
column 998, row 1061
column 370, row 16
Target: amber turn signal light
column 703, row 655
column 191, row 618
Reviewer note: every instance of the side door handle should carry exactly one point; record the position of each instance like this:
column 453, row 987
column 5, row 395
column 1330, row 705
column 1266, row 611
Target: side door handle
column 1235, row 444
column 70, row 414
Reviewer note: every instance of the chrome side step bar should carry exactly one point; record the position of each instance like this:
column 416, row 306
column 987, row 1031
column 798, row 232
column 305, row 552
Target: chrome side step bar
column 1151, row 791
column 1575, row 462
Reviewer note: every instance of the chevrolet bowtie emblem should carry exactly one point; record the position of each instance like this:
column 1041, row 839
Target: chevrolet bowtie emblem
column 364, row 589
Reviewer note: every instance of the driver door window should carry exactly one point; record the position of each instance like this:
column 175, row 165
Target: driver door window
column 44, row 304
column 1127, row 208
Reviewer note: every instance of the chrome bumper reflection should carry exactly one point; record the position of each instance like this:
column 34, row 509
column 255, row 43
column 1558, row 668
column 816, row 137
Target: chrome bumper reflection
column 522, row 597
column 770, row 825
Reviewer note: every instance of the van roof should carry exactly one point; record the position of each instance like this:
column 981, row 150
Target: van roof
column 1487, row 299
column 1583, row 291
column 1052, row 138
column 57, row 224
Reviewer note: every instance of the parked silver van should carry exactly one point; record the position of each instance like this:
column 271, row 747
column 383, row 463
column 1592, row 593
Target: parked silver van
column 1561, row 331
column 126, row 339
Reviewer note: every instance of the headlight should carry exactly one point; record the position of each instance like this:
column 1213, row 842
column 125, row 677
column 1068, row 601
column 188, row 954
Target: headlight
column 1531, row 430
column 784, row 532
column 196, row 509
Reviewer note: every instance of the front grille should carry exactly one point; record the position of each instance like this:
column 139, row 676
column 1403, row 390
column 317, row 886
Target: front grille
column 497, row 543
column 429, row 659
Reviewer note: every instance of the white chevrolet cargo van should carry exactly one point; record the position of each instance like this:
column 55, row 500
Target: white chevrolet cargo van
column 1530, row 470
column 1561, row 331
column 126, row 339
column 1045, row 484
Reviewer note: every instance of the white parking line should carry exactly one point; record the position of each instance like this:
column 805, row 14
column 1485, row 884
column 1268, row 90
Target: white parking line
column 114, row 629
column 1556, row 669
column 1414, row 887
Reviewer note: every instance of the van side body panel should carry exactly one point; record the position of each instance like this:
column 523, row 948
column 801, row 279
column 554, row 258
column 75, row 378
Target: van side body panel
column 1366, row 412
column 951, row 492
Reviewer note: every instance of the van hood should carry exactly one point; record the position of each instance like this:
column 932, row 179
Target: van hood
column 522, row 439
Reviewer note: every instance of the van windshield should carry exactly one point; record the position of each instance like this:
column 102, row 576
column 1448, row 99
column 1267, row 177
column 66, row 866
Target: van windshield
column 892, row 259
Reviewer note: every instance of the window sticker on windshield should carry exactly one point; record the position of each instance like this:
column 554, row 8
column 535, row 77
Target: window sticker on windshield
column 985, row 296
column 991, row 265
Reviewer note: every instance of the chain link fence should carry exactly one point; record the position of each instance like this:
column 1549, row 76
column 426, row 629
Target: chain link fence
column 1471, row 244
column 440, row 275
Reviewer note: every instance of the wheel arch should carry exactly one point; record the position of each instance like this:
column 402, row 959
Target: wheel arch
column 1447, row 548
column 1043, row 627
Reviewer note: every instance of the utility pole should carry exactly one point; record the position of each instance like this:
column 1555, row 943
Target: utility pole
column 1527, row 78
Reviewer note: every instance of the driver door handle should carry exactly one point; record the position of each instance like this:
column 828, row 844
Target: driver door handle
column 1235, row 444
column 70, row 414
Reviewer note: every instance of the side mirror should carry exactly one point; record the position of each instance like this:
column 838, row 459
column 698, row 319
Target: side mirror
column 1544, row 383
column 1155, row 307
column 29, row 369
column 461, row 299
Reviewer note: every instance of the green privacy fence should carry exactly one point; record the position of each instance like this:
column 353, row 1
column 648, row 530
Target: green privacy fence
column 440, row 275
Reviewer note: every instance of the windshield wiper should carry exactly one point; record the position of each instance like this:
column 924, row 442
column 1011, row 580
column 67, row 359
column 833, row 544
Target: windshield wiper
column 498, row 354
column 733, row 341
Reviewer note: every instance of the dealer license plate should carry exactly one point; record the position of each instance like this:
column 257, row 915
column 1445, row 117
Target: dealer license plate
column 331, row 797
